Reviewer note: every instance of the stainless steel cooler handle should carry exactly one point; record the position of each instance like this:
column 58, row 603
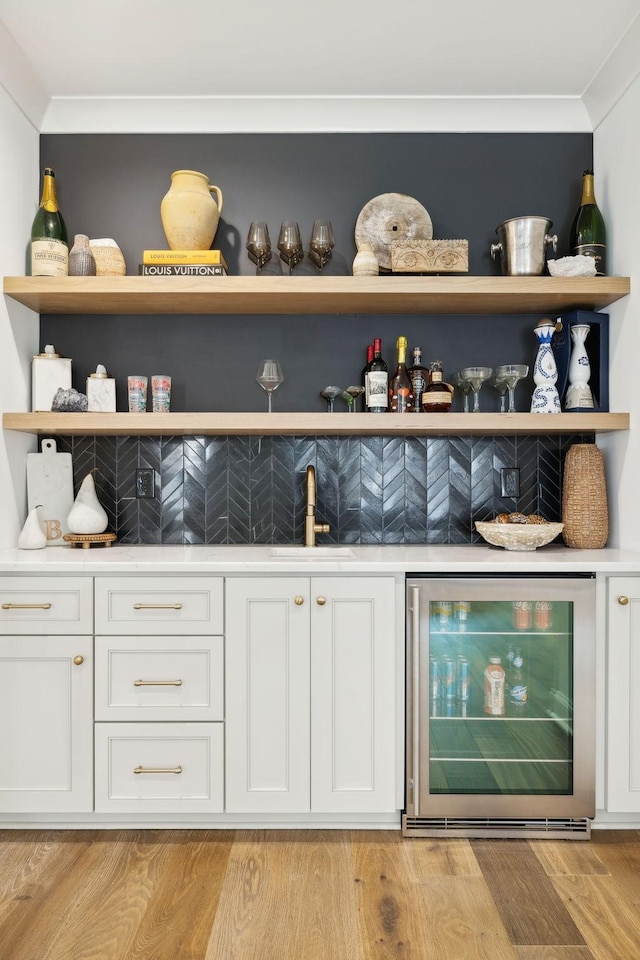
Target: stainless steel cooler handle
column 415, row 666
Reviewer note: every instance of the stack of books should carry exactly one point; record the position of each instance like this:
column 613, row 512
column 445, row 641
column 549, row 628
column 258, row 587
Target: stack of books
column 182, row 263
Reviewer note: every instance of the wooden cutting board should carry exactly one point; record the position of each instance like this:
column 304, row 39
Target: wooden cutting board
column 50, row 484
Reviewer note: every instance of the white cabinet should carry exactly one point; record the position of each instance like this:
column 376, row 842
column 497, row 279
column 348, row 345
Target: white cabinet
column 310, row 694
column 623, row 702
column 46, row 718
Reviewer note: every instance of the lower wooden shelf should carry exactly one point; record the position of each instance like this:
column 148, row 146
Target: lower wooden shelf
column 420, row 424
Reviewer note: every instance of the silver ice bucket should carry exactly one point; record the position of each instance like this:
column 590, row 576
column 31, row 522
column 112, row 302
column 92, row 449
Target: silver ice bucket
column 522, row 245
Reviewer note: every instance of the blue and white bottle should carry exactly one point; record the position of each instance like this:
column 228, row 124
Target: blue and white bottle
column 545, row 397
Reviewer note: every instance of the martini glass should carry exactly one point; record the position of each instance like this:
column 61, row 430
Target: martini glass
column 501, row 386
column 269, row 377
column 476, row 377
column 511, row 373
column 350, row 395
column 330, row 394
column 464, row 386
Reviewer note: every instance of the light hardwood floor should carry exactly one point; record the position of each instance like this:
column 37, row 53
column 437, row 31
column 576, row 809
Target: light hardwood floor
column 315, row 895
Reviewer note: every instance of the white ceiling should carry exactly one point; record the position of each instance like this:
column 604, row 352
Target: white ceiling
column 368, row 48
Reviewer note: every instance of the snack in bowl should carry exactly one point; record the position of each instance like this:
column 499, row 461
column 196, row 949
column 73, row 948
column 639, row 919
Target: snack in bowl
column 523, row 533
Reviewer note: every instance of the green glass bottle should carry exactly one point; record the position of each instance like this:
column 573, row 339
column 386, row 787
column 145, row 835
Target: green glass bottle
column 588, row 233
column 49, row 241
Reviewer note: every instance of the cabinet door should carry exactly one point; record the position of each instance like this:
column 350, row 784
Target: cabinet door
column 267, row 695
column 46, row 718
column 623, row 703
column 353, row 723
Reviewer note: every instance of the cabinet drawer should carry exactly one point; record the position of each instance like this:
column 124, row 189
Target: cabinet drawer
column 51, row 605
column 159, row 678
column 159, row 767
column 159, row 605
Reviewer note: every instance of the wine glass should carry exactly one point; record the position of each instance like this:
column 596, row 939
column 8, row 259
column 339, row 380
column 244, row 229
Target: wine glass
column 511, row 373
column 464, row 386
column 350, row 395
column 500, row 385
column 290, row 244
column 330, row 394
column 476, row 377
column 259, row 244
column 322, row 243
column 269, row 377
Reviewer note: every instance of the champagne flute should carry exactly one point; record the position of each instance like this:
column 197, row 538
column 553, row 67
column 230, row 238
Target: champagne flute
column 269, row 377
column 511, row 373
column 290, row 244
column 322, row 243
column 259, row 244
column 476, row 377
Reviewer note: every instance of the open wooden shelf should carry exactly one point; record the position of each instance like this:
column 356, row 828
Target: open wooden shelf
column 357, row 424
column 315, row 295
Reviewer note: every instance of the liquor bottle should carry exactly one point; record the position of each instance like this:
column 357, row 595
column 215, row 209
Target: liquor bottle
column 49, row 242
column 377, row 382
column 518, row 686
column 588, row 233
column 419, row 377
column 437, row 394
column 400, row 388
column 365, row 369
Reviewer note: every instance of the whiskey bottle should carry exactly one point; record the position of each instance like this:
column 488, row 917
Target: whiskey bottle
column 419, row 377
column 377, row 382
column 400, row 388
column 49, row 242
column 437, row 394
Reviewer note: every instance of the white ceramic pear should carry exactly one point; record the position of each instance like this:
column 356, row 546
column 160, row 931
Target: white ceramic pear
column 32, row 536
column 87, row 515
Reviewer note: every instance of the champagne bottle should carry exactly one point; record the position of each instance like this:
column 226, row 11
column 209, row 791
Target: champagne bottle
column 365, row 369
column 588, row 233
column 49, row 242
column 400, row 387
column 377, row 381
column 419, row 377
column 437, row 394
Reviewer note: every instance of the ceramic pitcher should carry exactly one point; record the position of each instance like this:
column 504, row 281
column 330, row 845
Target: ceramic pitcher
column 188, row 211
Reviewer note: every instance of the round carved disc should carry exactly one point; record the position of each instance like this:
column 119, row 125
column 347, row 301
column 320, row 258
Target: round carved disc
column 391, row 216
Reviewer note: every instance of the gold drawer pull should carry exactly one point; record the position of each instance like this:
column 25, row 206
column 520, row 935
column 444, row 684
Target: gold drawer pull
column 27, row 606
column 298, row 601
column 157, row 769
column 623, row 601
column 157, row 683
column 157, row 606
column 78, row 660
column 321, row 601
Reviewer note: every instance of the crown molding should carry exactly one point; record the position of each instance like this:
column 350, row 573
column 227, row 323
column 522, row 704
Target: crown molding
column 20, row 80
column 614, row 78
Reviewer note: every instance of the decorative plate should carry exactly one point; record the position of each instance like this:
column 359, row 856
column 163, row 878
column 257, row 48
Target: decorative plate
column 391, row 216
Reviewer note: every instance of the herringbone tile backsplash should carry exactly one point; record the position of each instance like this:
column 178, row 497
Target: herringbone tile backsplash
column 370, row 489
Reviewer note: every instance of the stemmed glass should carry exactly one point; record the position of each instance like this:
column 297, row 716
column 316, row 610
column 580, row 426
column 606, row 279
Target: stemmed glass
column 290, row 244
column 322, row 243
column 350, row 396
column 464, row 386
column 269, row 377
column 501, row 386
column 476, row 377
column 259, row 244
column 511, row 373
column 330, row 394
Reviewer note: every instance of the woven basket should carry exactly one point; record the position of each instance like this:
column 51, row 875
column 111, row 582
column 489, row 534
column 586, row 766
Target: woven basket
column 584, row 498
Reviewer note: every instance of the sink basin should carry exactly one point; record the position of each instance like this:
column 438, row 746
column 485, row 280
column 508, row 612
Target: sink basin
column 311, row 553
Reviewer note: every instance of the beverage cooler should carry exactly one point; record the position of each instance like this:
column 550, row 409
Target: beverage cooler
column 500, row 706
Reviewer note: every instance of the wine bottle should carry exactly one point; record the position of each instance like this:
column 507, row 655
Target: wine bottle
column 588, row 233
column 437, row 394
column 419, row 377
column 365, row 369
column 49, row 242
column 377, row 381
column 400, row 387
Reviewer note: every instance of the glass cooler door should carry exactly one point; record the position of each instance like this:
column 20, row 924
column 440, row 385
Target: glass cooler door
column 503, row 702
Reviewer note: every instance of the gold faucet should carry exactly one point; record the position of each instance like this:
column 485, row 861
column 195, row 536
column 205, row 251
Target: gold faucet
column 310, row 525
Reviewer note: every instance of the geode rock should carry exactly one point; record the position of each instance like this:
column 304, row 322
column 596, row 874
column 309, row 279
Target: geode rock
column 69, row 401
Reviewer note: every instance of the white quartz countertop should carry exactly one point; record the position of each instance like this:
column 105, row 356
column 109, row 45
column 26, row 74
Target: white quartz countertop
column 365, row 560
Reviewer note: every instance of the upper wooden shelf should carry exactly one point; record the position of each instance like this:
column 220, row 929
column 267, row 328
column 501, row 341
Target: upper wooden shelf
column 357, row 424
column 318, row 295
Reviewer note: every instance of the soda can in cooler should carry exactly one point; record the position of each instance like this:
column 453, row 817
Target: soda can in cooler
column 434, row 678
column 463, row 680
column 543, row 614
column 442, row 613
column 449, row 678
column 522, row 614
column 461, row 610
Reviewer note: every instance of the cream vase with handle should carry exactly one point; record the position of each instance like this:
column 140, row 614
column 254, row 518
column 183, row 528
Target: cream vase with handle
column 189, row 213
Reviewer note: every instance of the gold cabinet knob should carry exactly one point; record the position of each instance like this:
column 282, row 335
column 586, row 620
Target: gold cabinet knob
column 623, row 601
column 321, row 601
column 78, row 660
column 299, row 601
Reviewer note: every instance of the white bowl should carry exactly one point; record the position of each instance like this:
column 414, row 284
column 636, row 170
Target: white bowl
column 518, row 536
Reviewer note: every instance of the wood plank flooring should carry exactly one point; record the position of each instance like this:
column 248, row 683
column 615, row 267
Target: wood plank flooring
column 315, row 895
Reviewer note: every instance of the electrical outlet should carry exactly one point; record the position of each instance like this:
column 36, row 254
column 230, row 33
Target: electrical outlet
column 510, row 482
column 145, row 483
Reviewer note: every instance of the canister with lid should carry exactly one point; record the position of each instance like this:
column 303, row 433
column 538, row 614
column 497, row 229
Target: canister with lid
column 49, row 372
